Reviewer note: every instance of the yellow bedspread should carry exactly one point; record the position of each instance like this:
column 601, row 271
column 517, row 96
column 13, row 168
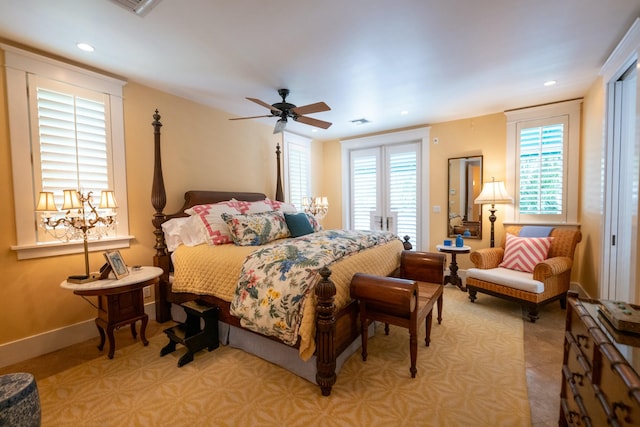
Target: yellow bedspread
column 214, row 270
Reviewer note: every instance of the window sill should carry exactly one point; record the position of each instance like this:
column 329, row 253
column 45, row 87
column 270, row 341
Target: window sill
column 41, row 250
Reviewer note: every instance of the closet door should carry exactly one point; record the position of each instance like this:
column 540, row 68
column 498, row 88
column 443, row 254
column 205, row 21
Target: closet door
column 622, row 208
column 384, row 189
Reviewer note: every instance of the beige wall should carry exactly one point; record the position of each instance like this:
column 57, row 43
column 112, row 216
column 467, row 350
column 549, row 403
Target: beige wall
column 202, row 149
column 591, row 177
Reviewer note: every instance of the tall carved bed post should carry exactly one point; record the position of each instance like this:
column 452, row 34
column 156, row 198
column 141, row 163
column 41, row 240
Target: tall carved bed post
column 279, row 192
column 159, row 200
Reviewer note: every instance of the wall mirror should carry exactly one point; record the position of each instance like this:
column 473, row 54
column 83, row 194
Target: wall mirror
column 465, row 184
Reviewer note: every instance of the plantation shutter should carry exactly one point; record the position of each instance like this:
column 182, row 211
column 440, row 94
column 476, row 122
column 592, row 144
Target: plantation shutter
column 71, row 150
column 542, row 159
column 298, row 158
column 403, row 190
column 384, row 189
column 364, row 181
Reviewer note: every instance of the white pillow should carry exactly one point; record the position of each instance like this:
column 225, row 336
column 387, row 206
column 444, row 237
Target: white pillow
column 183, row 231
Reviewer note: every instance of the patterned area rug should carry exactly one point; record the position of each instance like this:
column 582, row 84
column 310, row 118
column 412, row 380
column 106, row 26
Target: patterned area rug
column 472, row 374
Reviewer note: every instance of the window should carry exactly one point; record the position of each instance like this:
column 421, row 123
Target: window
column 67, row 132
column 297, row 167
column 542, row 146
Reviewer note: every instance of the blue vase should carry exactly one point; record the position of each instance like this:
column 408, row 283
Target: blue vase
column 459, row 241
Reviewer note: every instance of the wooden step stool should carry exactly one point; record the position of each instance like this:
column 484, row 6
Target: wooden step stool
column 190, row 333
column 402, row 301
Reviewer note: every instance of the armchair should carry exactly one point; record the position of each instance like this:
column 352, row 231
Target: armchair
column 548, row 282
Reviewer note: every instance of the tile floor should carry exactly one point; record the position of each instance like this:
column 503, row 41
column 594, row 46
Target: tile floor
column 543, row 342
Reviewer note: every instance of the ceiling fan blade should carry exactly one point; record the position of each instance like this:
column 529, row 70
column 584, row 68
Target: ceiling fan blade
column 252, row 117
column 264, row 104
column 280, row 125
column 311, row 108
column 313, row 122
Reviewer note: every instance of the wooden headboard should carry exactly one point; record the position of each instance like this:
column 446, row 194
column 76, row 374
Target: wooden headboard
column 203, row 197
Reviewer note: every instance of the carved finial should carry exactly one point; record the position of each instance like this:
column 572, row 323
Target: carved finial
column 156, row 119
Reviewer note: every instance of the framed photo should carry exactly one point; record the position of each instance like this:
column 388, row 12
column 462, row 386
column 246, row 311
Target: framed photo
column 117, row 264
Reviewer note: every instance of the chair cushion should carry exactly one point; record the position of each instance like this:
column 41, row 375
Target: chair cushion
column 523, row 253
column 507, row 277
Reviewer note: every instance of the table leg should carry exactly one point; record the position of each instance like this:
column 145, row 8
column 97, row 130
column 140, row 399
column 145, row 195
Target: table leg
column 143, row 329
column 453, row 277
column 112, row 341
column 133, row 330
column 102, row 337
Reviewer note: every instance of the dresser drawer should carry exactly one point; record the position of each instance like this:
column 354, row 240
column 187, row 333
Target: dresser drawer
column 583, row 399
column 573, row 404
column 581, row 324
column 619, row 385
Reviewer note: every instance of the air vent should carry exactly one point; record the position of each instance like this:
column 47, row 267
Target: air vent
column 360, row 121
column 139, row 7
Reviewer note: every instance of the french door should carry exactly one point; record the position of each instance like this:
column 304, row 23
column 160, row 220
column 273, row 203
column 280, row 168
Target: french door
column 384, row 187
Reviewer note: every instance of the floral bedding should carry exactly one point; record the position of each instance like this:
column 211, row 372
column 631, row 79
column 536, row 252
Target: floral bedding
column 276, row 279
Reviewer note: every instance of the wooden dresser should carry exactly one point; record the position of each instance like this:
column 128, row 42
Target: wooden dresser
column 600, row 368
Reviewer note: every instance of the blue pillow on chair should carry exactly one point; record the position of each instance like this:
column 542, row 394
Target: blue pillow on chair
column 298, row 224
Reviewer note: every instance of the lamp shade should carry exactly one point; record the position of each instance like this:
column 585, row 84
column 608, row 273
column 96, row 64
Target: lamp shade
column 71, row 200
column 493, row 192
column 108, row 200
column 46, row 202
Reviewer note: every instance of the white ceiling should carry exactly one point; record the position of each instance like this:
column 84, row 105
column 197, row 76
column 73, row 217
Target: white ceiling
column 437, row 59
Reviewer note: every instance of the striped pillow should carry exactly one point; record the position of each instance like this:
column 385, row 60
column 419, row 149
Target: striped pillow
column 523, row 253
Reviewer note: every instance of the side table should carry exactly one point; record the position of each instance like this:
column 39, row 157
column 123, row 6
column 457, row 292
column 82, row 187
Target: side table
column 120, row 302
column 453, row 277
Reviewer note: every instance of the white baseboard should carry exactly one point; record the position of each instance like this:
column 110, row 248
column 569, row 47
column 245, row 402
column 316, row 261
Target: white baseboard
column 46, row 342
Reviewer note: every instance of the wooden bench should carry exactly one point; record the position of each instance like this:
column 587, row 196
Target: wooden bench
column 405, row 300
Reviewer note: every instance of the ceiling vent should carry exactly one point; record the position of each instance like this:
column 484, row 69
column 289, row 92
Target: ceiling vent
column 359, row 122
column 139, row 7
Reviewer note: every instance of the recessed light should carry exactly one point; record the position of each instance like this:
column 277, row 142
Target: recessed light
column 404, row 113
column 85, row 46
column 550, row 82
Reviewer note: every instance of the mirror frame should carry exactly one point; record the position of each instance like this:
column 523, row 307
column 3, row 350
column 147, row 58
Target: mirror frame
column 454, row 193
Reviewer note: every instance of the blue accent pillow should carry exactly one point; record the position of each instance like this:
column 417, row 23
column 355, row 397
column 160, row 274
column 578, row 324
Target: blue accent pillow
column 298, row 224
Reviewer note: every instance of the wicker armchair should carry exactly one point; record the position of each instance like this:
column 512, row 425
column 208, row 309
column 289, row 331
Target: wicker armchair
column 554, row 273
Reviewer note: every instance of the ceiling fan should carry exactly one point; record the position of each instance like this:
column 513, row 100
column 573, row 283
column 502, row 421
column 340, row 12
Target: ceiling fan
column 286, row 111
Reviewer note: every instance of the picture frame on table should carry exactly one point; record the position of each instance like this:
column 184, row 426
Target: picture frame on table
column 118, row 266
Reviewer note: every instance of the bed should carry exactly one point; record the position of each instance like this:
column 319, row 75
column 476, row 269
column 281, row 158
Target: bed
column 330, row 320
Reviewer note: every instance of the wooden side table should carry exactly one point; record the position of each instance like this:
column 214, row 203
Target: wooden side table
column 120, row 302
column 453, row 277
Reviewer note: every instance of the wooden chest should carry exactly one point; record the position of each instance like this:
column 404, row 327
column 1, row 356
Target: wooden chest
column 600, row 383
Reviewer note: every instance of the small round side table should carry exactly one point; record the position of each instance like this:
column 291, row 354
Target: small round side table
column 453, row 277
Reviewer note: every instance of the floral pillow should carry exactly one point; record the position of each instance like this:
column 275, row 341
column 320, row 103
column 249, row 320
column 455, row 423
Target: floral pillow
column 256, row 229
column 523, row 253
column 314, row 222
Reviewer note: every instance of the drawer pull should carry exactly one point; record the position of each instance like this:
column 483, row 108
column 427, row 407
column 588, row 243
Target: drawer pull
column 574, row 418
column 577, row 378
column 581, row 338
column 625, row 411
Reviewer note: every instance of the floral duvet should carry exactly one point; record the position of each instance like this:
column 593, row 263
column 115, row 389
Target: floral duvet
column 276, row 280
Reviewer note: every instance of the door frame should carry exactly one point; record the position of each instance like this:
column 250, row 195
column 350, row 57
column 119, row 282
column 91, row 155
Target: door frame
column 626, row 54
column 420, row 135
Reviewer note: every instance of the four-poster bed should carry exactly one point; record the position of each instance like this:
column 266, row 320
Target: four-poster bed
column 335, row 326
